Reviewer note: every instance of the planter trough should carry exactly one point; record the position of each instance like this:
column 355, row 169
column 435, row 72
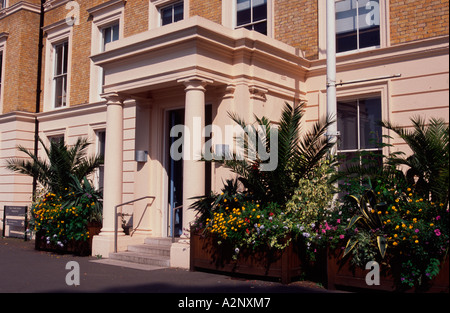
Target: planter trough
column 342, row 275
column 82, row 248
column 207, row 254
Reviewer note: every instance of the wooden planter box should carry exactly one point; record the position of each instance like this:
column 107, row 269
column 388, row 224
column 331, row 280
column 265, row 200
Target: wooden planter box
column 206, row 254
column 82, row 248
column 341, row 274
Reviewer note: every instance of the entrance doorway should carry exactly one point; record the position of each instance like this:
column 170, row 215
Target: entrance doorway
column 175, row 172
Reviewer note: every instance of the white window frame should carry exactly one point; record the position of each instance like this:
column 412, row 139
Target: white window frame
column 384, row 29
column 172, row 6
column 252, row 22
column 104, row 16
column 155, row 19
column 229, row 15
column 4, row 4
column 62, row 75
column 3, row 39
column 57, row 33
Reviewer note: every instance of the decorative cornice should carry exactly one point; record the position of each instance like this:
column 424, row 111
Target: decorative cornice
column 52, row 4
column 258, row 92
column 21, row 5
column 103, row 6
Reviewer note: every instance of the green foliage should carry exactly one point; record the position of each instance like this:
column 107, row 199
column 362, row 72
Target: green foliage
column 62, row 161
column 296, row 155
column 59, row 224
column 428, row 165
column 367, row 218
column 84, row 194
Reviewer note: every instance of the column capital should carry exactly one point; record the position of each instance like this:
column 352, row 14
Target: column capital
column 113, row 98
column 195, row 82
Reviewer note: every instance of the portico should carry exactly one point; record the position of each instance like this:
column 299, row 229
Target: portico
column 185, row 65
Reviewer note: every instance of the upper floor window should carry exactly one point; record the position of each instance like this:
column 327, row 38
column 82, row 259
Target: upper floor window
column 3, row 4
column 60, row 74
column 1, row 71
column 172, row 13
column 110, row 34
column 357, row 24
column 252, row 15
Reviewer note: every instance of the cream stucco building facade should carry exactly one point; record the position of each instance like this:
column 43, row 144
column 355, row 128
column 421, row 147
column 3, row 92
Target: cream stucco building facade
column 127, row 93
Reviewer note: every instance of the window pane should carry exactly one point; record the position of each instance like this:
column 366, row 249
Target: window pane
column 369, row 14
column 115, row 30
column 1, row 66
column 369, row 37
column 60, row 91
column 178, row 12
column 166, row 16
column 259, row 10
column 261, row 27
column 107, row 35
column 346, row 15
column 347, row 41
column 244, row 14
column 59, row 55
column 65, row 57
column 347, row 124
column 370, row 115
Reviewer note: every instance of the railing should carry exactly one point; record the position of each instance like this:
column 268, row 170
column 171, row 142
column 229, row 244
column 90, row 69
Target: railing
column 173, row 222
column 116, row 217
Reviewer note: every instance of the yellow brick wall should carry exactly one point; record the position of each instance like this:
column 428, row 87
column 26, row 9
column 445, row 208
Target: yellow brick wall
column 209, row 9
column 136, row 21
column 296, row 24
column 136, row 17
column 20, row 61
column 412, row 20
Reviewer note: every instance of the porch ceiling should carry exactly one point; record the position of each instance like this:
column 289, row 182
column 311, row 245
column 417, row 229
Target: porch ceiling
column 160, row 57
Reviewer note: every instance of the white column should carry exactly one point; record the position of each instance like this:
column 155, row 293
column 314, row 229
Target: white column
column 193, row 169
column 112, row 192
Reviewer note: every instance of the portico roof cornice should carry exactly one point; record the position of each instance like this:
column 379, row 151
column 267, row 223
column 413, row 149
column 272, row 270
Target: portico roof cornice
column 195, row 46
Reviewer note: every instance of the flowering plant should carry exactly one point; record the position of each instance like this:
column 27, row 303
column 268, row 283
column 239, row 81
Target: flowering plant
column 245, row 223
column 408, row 230
column 59, row 224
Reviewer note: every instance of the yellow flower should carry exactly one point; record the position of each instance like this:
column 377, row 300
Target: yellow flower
column 395, row 243
column 417, row 241
column 258, row 216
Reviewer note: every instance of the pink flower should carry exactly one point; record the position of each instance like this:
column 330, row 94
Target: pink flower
column 438, row 218
column 437, row 232
column 416, row 230
column 341, row 237
column 338, row 221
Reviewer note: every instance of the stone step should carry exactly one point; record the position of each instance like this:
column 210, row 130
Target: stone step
column 142, row 258
column 151, row 249
column 154, row 251
column 158, row 241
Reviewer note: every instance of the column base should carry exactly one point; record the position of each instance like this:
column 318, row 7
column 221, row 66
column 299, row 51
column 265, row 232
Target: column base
column 180, row 254
column 103, row 245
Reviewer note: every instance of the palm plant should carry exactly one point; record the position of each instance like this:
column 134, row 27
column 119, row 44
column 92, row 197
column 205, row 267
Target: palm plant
column 428, row 165
column 296, row 154
column 55, row 172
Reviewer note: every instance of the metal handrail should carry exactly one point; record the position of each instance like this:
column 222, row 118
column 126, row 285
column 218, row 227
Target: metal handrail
column 173, row 222
column 116, row 216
